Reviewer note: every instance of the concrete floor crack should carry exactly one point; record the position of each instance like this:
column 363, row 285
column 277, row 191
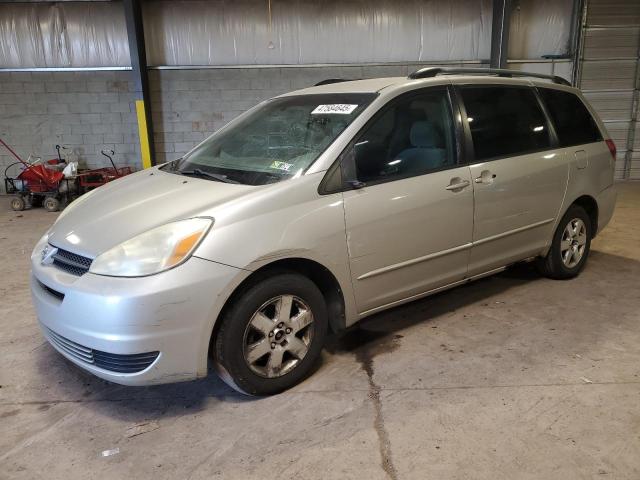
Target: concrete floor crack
column 384, row 443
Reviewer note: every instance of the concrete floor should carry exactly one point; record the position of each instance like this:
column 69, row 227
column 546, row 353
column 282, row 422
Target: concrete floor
column 514, row 376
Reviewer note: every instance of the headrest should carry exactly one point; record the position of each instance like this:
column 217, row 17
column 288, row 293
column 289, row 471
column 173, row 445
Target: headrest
column 422, row 134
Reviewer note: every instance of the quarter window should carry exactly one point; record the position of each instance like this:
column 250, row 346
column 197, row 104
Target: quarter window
column 412, row 136
column 504, row 121
column 573, row 122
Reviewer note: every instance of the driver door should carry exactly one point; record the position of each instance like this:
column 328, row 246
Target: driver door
column 409, row 219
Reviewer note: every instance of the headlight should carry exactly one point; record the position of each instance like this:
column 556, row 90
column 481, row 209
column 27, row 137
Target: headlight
column 36, row 254
column 153, row 251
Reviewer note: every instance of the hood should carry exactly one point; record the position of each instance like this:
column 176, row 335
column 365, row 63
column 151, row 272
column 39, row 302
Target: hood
column 124, row 208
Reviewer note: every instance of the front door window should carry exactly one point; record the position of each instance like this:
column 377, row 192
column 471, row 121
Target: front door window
column 412, row 136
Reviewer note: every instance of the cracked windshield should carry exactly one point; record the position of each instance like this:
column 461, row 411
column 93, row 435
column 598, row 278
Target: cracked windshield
column 277, row 140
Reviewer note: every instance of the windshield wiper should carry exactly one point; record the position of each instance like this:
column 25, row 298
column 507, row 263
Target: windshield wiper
column 197, row 172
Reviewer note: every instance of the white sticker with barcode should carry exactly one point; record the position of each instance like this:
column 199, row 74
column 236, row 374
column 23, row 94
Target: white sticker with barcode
column 340, row 108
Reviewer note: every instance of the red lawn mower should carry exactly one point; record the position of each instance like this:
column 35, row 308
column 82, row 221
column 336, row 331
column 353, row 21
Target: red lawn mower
column 39, row 183
column 45, row 183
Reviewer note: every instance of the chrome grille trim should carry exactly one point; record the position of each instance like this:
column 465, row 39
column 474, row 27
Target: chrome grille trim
column 113, row 362
column 71, row 262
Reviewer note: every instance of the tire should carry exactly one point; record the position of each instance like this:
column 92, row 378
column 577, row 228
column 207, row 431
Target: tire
column 18, row 204
column 51, row 204
column 574, row 231
column 259, row 352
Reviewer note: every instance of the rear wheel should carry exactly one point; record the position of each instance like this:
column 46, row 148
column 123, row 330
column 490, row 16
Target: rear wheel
column 18, row 204
column 570, row 247
column 272, row 335
column 51, row 204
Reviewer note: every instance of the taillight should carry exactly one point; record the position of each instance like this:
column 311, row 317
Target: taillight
column 612, row 147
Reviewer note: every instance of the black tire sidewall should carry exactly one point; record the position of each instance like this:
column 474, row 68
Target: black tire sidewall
column 229, row 341
column 560, row 269
column 55, row 204
column 22, row 204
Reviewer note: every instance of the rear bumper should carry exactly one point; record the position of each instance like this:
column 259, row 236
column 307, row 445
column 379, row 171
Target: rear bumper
column 165, row 320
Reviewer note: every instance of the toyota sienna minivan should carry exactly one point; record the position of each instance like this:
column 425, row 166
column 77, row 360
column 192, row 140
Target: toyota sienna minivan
column 314, row 210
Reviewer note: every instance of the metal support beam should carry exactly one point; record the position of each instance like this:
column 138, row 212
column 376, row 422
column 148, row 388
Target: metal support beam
column 576, row 39
column 635, row 107
column 500, row 33
column 137, row 52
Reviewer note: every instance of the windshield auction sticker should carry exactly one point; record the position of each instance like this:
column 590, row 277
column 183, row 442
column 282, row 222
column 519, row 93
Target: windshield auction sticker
column 341, row 108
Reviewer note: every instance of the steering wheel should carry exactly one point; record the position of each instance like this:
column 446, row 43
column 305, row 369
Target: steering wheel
column 296, row 131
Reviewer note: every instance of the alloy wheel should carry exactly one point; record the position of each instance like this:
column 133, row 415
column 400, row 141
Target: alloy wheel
column 573, row 243
column 278, row 336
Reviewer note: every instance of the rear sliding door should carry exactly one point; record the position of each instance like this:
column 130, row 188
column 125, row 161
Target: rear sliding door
column 519, row 175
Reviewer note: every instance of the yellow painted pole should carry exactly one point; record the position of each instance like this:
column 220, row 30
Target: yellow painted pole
column 145, row 151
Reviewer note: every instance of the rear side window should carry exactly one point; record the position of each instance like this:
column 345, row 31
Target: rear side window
column 504, row 121
column 573, row 122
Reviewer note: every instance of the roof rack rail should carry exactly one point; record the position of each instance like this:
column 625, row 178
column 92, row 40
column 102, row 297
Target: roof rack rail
column 329, row 81
column 430, row 72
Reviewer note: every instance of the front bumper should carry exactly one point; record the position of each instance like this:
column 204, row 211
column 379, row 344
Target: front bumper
column 170, row 314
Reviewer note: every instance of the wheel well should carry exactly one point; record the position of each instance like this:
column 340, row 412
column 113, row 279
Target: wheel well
column 591, row 207
column 318, row 274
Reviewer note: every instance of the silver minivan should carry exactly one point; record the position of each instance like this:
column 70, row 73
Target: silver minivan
column 314, row 210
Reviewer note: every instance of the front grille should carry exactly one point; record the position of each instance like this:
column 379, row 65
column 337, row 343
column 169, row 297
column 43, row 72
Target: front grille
column 108, row 361
column 71, row 262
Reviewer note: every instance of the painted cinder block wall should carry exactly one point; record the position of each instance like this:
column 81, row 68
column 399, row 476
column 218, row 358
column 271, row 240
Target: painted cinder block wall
column 86, row 111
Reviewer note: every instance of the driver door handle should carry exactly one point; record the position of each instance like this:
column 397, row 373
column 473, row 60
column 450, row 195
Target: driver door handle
column 458, row 185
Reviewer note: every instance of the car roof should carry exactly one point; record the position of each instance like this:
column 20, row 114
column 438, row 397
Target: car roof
column 374, row 85
column 370, row 85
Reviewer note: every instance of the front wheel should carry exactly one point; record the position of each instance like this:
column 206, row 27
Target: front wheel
column 18, row 204
column 570, row 247
column 272, row 335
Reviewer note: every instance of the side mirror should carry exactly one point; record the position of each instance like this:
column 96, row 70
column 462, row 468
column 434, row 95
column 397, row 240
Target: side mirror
column 356, row 184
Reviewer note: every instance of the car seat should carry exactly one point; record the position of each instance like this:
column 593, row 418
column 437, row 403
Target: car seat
column 425, row 153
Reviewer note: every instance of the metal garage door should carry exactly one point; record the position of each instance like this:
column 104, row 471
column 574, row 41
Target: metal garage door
column 609, row 74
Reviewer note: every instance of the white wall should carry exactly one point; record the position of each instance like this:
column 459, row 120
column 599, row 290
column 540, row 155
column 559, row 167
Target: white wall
column 298, row 32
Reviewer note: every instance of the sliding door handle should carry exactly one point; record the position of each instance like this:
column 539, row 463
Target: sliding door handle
column 485, row 177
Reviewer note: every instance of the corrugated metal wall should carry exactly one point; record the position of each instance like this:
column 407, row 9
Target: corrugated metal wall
column 299, row 32
column 74, row 34
column 609, row 74
column 292, row 32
